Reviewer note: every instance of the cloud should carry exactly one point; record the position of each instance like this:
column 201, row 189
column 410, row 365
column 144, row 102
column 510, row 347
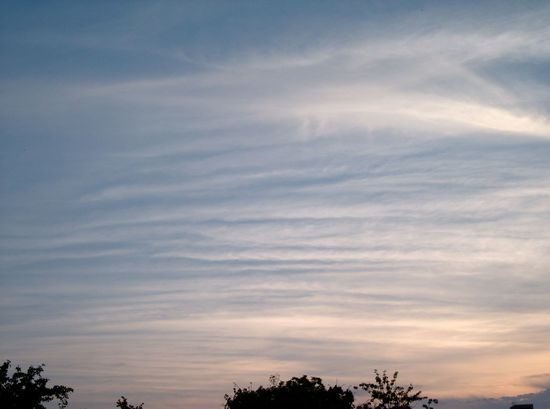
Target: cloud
column 431, row 82
column 541, row 381
column 377, row 200
column 540, row 400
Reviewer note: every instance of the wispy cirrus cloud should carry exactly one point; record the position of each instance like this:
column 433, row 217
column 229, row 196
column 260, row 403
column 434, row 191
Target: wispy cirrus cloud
column 432, row 82
column 375, row 200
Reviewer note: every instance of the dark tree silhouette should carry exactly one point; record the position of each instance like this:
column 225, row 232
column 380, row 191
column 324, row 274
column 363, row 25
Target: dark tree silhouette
column 28, row 390
column 122, row 403
column 296, row 393
column 385, row 394
column 311, row 393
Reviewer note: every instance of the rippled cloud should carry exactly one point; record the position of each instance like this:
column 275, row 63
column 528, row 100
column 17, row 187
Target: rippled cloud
column 373, row 198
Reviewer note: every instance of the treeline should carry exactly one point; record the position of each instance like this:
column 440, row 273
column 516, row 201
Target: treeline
column 29, row 390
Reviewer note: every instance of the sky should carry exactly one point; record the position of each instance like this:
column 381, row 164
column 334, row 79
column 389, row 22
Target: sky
column 200, row 194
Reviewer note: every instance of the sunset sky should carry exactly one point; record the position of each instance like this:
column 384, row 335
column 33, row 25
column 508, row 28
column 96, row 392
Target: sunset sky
column 200, row 193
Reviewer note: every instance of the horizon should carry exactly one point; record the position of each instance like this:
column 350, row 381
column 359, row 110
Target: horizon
column 361, row 394
column 196, row 194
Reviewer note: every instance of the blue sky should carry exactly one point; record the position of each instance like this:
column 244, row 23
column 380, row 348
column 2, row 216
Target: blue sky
column 201, row 193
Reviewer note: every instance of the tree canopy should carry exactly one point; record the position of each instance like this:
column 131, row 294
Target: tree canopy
column 122, row 403
column 29, row 389
column 311, row 393
column 385, row 394
column 302, row 393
